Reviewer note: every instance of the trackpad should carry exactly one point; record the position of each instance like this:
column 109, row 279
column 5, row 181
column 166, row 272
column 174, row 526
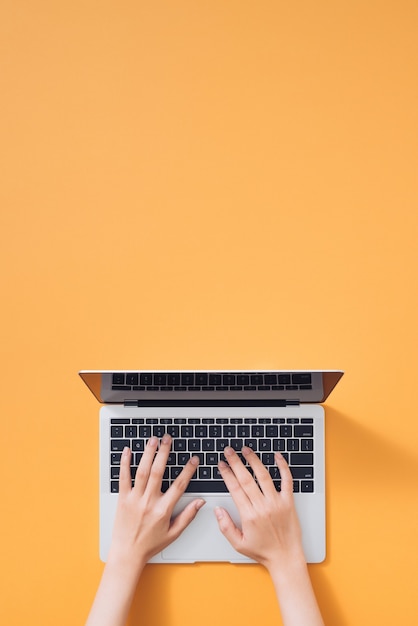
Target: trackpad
column 202, row 540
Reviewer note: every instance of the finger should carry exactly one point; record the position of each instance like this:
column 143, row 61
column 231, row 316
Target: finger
column 263, row 477
column 183, row 519
column 144, row 467
column 159, row 464
column 242, row 474
column 227, row 527
column 285, row 475
column 125, row 480
column 238, row 495
column 179, row 486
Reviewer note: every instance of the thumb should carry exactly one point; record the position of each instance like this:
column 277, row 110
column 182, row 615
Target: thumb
column 183, row 519
column 228, row 528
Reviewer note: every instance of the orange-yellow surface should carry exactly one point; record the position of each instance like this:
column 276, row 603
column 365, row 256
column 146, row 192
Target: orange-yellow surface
column 195, row 184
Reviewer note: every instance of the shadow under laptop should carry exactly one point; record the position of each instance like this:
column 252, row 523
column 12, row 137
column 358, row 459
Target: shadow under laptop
column 369, row 479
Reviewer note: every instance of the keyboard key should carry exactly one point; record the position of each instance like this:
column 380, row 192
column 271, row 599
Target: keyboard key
column 286, row 431
column 301, row 458
column 302, row 472
column 279, row 445
column 272, row 430
column 243, row 430
column 160, row 379
column 306, row 445
column 159, row 430
column 201, row 379
column 174, row 472
column 257, row 430
column 132, row 379
column 229, row 431
column 270, row 379
column 116, row 431
column 119, row 444
column 208, row 445
column 304, row 431
column 301, row 379
column 118, row 378
column 201, row 431
column 205, row 473
column 306, row 486
column 131, row 431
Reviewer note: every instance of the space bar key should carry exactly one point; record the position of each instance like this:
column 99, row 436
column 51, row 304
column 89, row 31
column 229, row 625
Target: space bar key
column 206, row 486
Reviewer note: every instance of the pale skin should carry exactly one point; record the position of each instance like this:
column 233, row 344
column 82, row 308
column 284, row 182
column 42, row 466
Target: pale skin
column 269, row 533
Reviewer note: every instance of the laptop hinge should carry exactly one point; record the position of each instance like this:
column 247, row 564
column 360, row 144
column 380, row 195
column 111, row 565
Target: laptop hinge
column 209, row 403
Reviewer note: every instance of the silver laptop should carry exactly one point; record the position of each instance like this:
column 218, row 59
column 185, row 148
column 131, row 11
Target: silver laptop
column 204, row 411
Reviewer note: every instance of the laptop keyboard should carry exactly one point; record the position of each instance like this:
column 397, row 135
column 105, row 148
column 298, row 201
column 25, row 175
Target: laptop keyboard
column 208, row 437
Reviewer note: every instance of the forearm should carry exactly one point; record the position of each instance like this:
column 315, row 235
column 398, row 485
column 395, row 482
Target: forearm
column 115, row 594
column 298, row 605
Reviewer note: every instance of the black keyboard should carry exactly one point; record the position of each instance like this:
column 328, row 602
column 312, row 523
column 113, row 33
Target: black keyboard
column 208, row 437
column 210, row 381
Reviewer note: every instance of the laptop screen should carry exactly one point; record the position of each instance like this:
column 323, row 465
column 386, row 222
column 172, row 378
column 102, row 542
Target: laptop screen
column 211, row 387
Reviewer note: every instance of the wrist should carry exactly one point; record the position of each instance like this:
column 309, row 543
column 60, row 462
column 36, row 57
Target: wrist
column 285, row 565
column 125, row 565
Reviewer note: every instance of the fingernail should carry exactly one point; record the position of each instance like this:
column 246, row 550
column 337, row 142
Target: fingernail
column 125, row 451
column 228, row 451
column 194, row 460
column 222, row 464
column 153, row 441
column 246, row 450
column 200, row 503
column 166, row 439
column 219, row 512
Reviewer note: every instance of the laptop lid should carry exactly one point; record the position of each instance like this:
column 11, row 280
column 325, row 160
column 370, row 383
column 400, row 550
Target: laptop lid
column 211, row 387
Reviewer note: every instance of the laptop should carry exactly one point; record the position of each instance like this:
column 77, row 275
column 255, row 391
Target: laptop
column 204, row 411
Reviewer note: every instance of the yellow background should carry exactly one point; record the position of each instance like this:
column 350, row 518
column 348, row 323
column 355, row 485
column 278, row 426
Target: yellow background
column 195, row 184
